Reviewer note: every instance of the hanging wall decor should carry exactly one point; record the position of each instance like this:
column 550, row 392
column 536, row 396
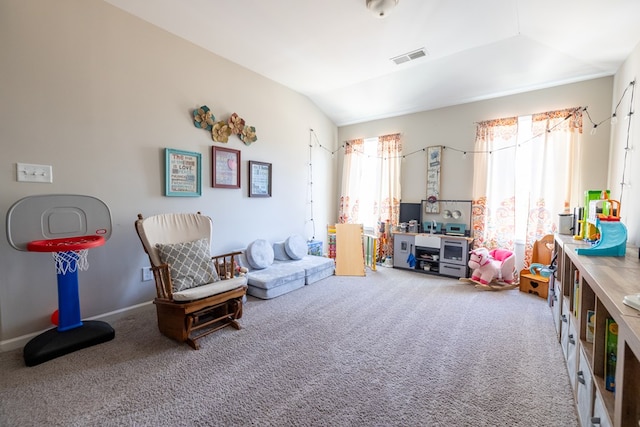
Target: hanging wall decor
column 223, row 129
column 259, row 179
column 221, row 132
column 182, row 173
column 203, row 118
column 434, row 160
column 225, row 164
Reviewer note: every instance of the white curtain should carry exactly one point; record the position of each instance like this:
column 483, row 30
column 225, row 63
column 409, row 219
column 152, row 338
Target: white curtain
column 493, row 189
column 370, row 192
column 524, row 176
column 352, row 182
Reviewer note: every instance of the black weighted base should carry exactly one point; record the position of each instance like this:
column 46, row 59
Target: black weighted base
column 53, row 343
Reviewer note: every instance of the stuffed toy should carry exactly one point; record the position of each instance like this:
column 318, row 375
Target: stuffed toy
column 505, row 261
column 484, row 271
column 487, row 266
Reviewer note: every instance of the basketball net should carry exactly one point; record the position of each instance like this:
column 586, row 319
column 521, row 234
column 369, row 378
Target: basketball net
column 71, row 261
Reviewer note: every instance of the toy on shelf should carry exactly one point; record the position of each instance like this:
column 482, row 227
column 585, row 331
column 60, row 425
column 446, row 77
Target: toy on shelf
column 493, row 269
column 603, row 228
column 587, row 231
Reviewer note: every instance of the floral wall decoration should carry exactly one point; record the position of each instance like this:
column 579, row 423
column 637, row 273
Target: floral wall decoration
column 203, row 118
column 222, row 130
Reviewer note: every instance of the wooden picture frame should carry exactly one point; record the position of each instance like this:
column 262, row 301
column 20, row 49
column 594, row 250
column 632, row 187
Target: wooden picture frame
column 259, row 179
column 183, row 173
column 225, row 166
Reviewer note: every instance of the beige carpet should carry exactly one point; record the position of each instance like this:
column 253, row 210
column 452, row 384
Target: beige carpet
column 394, row 348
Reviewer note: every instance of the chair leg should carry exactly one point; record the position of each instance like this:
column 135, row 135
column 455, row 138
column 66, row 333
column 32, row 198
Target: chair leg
column 193, row 343
column 235, row 324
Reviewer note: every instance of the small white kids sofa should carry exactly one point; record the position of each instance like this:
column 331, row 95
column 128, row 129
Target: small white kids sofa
column 278, row 268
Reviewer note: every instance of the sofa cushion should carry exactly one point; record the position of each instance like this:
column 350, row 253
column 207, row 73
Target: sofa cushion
column 279, row 252
column 259, row 254
column 190, row 263
column 295, row 246
column 278, row 274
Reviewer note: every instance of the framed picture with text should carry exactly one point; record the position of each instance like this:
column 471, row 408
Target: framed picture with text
column 225, row 167
column 434, row 160
column 259, row 179
column 183, row 173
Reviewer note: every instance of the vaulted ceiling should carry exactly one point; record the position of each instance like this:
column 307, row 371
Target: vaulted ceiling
column 339, row 54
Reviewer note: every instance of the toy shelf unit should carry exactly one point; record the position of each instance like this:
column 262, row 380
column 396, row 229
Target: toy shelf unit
column 598, row 332
column 66, row 226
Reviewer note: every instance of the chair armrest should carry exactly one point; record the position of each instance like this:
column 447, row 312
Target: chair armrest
column 162, row 278
column 225, row 264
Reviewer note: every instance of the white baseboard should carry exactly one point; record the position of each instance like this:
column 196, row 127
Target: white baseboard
column 21, row 341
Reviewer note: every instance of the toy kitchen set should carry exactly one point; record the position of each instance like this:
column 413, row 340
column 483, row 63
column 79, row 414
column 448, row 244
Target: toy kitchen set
column 434, row 237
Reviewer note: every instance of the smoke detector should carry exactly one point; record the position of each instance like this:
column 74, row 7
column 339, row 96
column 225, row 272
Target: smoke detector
column 381, row 8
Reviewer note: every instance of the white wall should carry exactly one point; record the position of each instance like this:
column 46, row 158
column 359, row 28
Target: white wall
column 456, row 126
column 627, row 133
column 98, row 94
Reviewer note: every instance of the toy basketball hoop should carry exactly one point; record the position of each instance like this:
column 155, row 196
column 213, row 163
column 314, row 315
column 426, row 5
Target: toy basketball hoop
column 70, row 254
column 67, row 226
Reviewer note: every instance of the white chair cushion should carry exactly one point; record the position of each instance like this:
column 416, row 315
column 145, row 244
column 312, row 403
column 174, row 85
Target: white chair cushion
column 190, row 263
column 296, row 246
column 209, row 289
column 259, row 254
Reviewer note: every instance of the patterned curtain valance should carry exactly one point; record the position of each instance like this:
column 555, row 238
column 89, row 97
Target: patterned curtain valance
column 505, row 129
column 391, row 137
column 353, row 145
column 571, row 119
column 390, row 145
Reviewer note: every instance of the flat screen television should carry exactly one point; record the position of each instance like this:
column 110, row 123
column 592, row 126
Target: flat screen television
column 409, row 211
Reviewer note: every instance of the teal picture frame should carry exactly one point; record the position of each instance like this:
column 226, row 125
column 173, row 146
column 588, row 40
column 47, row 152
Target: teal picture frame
column 183, row 173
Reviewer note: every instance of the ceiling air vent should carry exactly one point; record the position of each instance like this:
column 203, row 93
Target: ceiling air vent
column 409, row 56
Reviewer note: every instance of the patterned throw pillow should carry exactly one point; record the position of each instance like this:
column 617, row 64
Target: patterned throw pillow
column 296, row 247
column 190, row 263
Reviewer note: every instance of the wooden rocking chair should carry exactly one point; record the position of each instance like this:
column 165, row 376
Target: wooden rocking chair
column 197, row 293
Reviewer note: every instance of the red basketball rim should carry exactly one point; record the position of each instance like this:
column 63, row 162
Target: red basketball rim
column 66, row 244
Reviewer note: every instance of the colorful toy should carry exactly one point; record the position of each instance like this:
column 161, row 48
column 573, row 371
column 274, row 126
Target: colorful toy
column 604, row 230
column 540, row 269
column 489, row 266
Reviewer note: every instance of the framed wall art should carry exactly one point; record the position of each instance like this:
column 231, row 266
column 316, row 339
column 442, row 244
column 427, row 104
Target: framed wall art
column 183, row 173
column 225, row 167
column 259, row 179
column 434, row 160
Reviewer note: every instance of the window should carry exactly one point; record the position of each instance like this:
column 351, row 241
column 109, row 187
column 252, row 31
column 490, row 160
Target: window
column 370, row 191
column 524, row 177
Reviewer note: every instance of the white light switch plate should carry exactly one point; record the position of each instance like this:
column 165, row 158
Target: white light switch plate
column 26, row 172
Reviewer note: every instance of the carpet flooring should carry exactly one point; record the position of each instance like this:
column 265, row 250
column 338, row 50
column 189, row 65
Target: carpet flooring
column 394, row 348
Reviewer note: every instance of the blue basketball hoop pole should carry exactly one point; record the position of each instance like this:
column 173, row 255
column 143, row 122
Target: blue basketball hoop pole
column 69, row 296
column 72, row 333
